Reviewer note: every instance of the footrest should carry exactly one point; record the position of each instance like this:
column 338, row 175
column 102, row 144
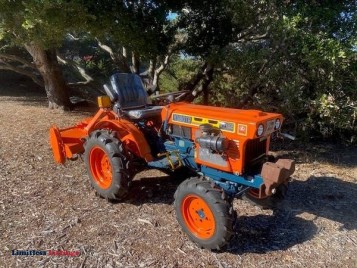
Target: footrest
column 164, row 162
column 172, row 160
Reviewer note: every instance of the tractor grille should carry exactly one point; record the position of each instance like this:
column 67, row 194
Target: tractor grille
column 255, row 151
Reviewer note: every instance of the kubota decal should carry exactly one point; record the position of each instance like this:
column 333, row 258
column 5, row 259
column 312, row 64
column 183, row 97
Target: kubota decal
column 242, row 129
column 182, row 118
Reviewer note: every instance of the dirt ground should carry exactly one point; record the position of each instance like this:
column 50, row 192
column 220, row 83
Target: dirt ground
column 44, row 206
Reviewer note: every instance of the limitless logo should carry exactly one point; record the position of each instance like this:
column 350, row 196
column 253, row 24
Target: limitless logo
column 28, row 252
column 58, row 253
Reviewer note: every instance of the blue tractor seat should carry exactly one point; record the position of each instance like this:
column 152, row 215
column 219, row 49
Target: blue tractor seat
column 130, row 97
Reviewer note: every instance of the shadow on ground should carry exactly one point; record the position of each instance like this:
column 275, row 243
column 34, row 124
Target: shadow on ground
column 155, row 189
column 21, row 88
column 324, row 152
column 15, row 85
column 326, row 197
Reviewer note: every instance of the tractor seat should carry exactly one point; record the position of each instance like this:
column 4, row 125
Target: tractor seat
column 130, row 96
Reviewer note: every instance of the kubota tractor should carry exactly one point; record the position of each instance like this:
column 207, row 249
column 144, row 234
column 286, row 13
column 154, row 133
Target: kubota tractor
column 225, row 148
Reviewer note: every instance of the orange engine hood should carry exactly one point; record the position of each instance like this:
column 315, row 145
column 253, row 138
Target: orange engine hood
column 229, row 120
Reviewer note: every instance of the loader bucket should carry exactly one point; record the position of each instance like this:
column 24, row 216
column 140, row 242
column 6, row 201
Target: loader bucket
column 66, row 143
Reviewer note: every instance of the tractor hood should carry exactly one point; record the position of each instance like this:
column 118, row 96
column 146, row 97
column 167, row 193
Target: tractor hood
column 245, row 123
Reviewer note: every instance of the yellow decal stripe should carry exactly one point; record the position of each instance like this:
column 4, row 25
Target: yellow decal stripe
column 196, row 121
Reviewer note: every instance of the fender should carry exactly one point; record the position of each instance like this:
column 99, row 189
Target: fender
column 129, row 134
column 67, row 143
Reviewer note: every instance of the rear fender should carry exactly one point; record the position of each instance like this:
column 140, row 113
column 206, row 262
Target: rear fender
column 67, row 143
column 129, row 134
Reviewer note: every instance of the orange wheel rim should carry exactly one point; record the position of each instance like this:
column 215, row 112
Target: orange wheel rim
column 100, row 167
column 198, row 217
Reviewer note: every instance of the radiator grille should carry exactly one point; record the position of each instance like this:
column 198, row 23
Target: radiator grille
column 255, row 151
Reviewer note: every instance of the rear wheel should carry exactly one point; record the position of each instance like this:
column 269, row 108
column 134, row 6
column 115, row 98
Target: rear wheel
column 106, row 165
column 204, row 214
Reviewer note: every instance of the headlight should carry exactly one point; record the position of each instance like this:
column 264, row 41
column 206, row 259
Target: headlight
column 277, row 123
column 260, row 130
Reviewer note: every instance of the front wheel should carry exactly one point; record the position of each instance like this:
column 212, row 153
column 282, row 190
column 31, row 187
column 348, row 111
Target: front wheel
column 204, row 214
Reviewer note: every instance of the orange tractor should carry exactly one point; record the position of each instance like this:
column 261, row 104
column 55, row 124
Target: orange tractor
column 225, row 148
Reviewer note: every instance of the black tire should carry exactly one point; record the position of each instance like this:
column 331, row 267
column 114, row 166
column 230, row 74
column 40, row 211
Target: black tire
column 218, row 206
column 271, row 202
column 112, row 150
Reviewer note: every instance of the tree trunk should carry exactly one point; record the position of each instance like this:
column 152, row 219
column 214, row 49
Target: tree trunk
column 152, row 67
column 205, row 84
column 135, row 63
column 55, row 86
column 249, row 97
column 121, row 59
column 205, row 73
column 193, row 82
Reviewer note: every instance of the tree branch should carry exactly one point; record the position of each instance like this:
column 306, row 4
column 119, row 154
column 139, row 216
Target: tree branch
column 119, row 58
column 18, row 59
column 107, row 49
column 248, row 36
column 20, row 70
column 79, row 69
column 193, row 82
column 135, row 63
column 157, row 72
column 205, row 73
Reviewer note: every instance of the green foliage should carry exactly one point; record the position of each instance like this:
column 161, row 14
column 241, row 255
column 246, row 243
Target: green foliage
column 292, row 57
column 178, row 73
column 295, row 57
column 209, row 27
column 140, row 26
column 42, row 21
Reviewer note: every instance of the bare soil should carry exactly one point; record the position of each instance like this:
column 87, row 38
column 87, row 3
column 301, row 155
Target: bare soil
column 45, row 206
